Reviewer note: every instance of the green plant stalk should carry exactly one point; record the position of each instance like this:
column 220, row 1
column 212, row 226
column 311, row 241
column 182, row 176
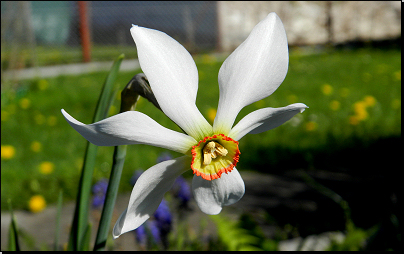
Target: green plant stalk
column 13, row 244
column 80, row 219
column 110, row 198
column 129, row 98
column 83, row 197
column 58, row 215
column 85, row 243
column 108, row 90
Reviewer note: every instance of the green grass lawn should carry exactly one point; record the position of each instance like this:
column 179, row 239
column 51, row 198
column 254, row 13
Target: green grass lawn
column 350, row 94
column 55, row 55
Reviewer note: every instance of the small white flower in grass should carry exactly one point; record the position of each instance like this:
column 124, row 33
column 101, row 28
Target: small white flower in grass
column 252, row 72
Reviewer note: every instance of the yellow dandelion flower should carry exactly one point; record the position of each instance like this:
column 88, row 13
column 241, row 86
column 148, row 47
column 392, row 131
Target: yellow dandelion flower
column 46, row 167
column 327, row 89
column 7, row 152
column 39, row 119
column 36, row 203
column 43, row 84
column 353, row 120
column 52, row 120
column 397, row 75
column 292, row 98
column 361, row 114
column 369, row 101
column 396, row 104
column 360, row 110
column 25, row 103
column 211, row 114
column 4, row 115
column 359, row 106
column 36, row 146
column 335, row 105
column 311, row 126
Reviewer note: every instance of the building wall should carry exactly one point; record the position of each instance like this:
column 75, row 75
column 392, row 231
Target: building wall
column 308, row 23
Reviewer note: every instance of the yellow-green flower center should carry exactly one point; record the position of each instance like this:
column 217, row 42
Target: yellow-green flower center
column 214, row 155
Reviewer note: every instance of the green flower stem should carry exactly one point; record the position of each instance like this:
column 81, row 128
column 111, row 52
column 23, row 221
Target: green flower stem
column 129, row 97
column 83, row 198
column 137, row 86
column 85, row 243
column 80, row 219
column 110, row 198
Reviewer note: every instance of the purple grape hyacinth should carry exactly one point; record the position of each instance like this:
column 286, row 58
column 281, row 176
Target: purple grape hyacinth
column 182, row 191
column 99, row 191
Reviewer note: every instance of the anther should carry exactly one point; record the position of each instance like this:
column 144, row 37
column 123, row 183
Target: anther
column 211, row 151
column 220, row 150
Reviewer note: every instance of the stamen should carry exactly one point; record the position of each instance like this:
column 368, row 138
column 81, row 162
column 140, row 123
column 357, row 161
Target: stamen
column 208, row 151
column 213, row 156
column 209, row 147
column 207, row 158
column 211, row 150
column 220, row 150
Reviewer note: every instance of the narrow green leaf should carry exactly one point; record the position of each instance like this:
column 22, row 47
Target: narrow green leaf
column 107, row 91
column 58, row 215
column 129, row 97
column 12, row 240
column 83, row 198
column 13, row 244
column 85, row 243
column 110, row 198
column 80, row 218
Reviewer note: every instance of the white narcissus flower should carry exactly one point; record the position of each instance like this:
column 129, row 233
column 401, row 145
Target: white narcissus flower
column 252, row 72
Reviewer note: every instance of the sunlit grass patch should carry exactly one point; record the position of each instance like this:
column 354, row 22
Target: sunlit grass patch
column 34, row 131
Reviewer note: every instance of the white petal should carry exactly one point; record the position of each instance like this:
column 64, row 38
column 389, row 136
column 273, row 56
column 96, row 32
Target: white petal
column 265, row 119
column 212, row 195
column 173, row 77
column 131, row 127
column 148, row 193
column 253, row 71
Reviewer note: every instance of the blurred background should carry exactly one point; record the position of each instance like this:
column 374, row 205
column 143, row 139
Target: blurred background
column 47, row 33
column 328, row 179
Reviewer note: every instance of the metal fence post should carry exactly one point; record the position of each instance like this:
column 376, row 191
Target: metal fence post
column 84, row 31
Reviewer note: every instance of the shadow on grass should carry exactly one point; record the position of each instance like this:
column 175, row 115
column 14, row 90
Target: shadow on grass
column 367, row 174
